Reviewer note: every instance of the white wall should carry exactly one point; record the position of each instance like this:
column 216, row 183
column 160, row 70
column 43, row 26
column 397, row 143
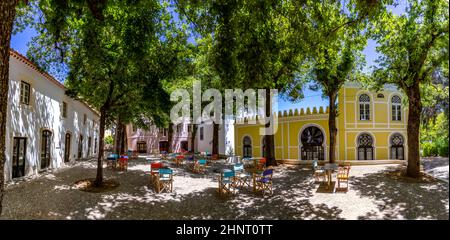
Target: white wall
column 44, row 112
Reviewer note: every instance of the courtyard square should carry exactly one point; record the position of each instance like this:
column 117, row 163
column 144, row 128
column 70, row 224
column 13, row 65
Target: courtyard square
column 374, row 193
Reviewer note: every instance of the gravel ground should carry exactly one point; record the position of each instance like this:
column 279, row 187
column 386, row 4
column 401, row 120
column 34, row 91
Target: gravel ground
column 372, row 195
column 436, row 166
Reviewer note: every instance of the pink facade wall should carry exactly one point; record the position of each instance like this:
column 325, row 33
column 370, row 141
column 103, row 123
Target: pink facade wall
column 154, row 136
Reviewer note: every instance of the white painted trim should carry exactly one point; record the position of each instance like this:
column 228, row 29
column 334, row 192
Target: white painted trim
column 289, row 140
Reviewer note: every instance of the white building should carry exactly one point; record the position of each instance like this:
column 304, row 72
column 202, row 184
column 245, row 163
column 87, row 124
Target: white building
column 45, row 128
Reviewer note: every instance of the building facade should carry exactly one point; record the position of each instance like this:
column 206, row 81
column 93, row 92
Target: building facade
column 371, row 126
column 45, row 128
column 156, row 139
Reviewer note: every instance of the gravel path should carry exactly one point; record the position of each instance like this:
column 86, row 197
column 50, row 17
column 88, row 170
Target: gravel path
column 437, row 167
column 372, row 195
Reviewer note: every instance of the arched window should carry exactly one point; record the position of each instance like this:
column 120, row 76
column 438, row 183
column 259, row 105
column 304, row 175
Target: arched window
column 247, row 147
column 45, row 148
column 397, row 149
column 364, row 107
column 312, row 139
column 365, row 147
column 396, row 102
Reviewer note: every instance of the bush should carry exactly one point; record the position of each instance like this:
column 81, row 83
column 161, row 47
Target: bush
column 109, row 140
column 429, row 149
column 443, row 148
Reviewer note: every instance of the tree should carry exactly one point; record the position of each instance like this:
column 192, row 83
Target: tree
column 336, row 37
column 252, row 44
column 8, row 11
column 413, row 47
column 118, row 54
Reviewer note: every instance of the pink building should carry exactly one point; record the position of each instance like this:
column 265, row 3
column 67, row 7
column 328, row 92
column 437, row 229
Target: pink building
column 155, row 139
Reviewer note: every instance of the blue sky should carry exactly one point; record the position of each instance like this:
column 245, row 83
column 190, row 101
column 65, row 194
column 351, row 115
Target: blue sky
column 20, row 40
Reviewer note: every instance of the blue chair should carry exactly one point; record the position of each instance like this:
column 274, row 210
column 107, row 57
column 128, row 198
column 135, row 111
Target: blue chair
column 227, row 182
column 319, row 171
column 200, row 166
column 264, row 182
column 111, row 160
column 242, row 177
column 164, row 180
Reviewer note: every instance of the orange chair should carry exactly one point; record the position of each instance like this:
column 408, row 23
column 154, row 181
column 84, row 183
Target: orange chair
column 343, row 175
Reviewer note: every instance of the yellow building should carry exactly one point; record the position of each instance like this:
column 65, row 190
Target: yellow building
column 371, row 126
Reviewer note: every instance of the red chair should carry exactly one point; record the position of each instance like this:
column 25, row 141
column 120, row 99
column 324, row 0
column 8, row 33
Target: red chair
column 262, row 163
column 154, row 170
column 179, row 159
column 123, row 162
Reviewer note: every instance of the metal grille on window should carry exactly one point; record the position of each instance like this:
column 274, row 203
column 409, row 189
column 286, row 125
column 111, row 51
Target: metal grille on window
column 365, row 148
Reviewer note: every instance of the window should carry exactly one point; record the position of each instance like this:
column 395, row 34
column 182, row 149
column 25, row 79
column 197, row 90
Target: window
column 84, row 119
column 364, row 107
column 380, row 95
column 165, row 132
column 80, row 147
column 19, row 155
column 45, row 148
column 247, row 147
column 64, row 109
column 24, row 93
column 397, row 149
column 312, row 139
column 179, row 128
column 201, row 133
column 365, row 147
column 396, row 108
column 89, row 145
column 142, row 147
column 134, row 128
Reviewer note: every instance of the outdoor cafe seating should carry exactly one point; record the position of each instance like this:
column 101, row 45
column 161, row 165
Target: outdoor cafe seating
column 111, row 160
column 123, row 163
column 199, row 166
column 319, row 171
column 242, row 177
column 343, row 175
column 227, row 182
column 154, row 170
column 164, row 180
column 264, row 182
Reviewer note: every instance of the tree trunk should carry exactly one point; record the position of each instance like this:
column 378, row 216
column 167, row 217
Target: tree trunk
column 194, row 133
column 169, row 137
column 414, row 110
column 99, row 178
column 7, row 14
column 119, row 138
column 332, row 126
column 215, row 146
column 270, row 140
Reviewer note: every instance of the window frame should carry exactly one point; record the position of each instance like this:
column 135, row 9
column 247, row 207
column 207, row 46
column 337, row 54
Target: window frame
column 64, row 110
column 21, row 93
column 201, row 134
column 364, row 108
column 396, row 109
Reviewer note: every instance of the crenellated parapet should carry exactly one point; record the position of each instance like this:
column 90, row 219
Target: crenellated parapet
column 306, row 112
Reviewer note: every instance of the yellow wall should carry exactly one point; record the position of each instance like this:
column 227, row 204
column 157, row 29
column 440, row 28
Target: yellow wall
column 291, row 123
